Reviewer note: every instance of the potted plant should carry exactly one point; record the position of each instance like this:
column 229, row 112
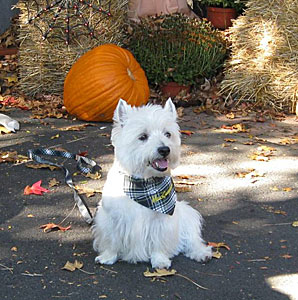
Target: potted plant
column 176, row 49
column 221, row 12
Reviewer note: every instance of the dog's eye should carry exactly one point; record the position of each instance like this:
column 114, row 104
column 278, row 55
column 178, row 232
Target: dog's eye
column 143, row 137
column 168, row 134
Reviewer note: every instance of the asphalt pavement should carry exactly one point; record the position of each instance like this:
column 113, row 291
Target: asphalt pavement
column 242, row 178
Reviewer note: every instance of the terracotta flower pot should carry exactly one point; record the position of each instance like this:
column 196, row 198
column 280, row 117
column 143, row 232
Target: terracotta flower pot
column 172, row 89
column 221, row 17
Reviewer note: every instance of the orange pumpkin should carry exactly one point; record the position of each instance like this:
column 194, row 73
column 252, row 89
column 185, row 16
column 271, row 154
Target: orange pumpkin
column 99, row 78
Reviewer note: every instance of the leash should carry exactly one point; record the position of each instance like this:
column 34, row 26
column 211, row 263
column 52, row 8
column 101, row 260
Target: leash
column 84, row 165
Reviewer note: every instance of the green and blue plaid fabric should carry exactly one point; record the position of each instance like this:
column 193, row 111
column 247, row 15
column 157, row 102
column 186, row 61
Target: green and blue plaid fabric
column 156, row 193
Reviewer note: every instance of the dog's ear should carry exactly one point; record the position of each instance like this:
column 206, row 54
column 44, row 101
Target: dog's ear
column 170, row 107
column 121, row 111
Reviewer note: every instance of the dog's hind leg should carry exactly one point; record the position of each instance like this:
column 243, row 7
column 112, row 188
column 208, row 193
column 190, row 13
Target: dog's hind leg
column 191, row 241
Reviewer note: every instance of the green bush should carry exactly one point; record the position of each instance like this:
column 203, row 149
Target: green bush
column 176, row 48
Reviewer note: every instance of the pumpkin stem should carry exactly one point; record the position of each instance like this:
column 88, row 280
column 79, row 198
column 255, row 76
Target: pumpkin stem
column 130, row 74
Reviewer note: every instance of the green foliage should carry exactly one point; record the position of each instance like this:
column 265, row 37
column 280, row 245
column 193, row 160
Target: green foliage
column 237, row 4
column 177, row 48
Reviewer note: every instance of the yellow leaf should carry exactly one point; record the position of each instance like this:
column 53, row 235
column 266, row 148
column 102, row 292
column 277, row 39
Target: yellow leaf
column 72, row 266
column 159, row 273
column 275, row 188
column 230, row 140
column 216, row 254
column 55, row 136
column 230, row 115
column 287, row 189
column 295, row 224
column 11, row 79
column 4, row 130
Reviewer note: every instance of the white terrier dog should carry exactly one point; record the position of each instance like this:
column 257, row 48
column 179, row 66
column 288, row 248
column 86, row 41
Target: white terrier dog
column 138, row 218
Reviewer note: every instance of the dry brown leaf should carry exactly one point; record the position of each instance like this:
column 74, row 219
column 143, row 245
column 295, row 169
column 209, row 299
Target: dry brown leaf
column 53, row 182
column 12, row 156
column 53, row 227
column 230, row 140
column 72, row 266
column 182, row 188
column 41, row 166
column 96, row 175
column 159, row 273
column 78, row 127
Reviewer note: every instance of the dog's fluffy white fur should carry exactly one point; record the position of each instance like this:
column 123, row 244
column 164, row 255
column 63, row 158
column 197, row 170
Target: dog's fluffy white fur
column 126, row 230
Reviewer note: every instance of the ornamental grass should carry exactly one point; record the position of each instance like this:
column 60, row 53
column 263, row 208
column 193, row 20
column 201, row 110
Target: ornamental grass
column 45, row 61
column 263, row 67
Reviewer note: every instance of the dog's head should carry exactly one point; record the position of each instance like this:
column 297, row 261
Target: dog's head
column 146, row 139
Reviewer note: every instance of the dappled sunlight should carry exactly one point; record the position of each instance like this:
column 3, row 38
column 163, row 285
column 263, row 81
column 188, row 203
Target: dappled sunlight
column 286, row 284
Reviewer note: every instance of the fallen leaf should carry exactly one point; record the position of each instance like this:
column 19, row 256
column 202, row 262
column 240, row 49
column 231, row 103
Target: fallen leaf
column 159, row 273
column 96, row 175
column 12, row 156
column 295, row 224
column 54, row 227
column 55, row 136
column 287, row 189
column 14, row 249
column 72, row 266
column 35, row 189
column 230, row 140
column 275, row 188
column 76, row 127
column 230, row 115
column 30, row 216
column 219, row 245
column 41, row 166
column 216, row 254
column 266, row 148
column 4, row 130
column 187, row 132
column 182, row 188
column 286, row 256
column 53, row 182
column 236, row 128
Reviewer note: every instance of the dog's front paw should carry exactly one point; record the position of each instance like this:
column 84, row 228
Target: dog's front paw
column 202, row 254
column 106, row 258
column 160, row 261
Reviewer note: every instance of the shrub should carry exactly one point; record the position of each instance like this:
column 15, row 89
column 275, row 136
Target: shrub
column 176, row 48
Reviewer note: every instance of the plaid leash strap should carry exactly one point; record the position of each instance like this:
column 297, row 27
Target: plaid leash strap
column 156, row 193
column 84, row 165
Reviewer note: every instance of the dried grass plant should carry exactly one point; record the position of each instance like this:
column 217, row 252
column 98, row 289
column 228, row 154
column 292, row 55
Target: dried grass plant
column 263, row 67
column 44, row 63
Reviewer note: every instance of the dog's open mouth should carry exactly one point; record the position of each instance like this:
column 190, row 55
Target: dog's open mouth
column 160, row 164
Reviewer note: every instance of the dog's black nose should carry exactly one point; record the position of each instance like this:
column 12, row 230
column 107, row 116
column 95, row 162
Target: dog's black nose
column 164, row 151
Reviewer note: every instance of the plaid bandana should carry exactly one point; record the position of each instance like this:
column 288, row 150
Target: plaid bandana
column 156, row 193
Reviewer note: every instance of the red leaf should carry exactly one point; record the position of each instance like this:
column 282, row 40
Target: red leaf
column 35, row 189
column 52, row 227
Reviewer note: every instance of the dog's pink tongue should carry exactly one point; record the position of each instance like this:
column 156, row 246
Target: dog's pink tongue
column 161, row 163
